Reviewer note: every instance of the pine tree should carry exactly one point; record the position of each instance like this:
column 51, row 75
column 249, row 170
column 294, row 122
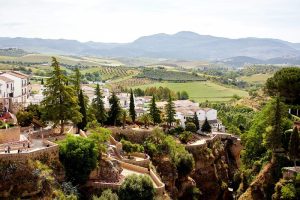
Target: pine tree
column 60, row 102
column 132, row 107
column 154, row 112
column 115, row 109
column 98, row 106
column 294, row 146
column 81, row 125
column 206, row 128
column 196, row 121
column 170, row 112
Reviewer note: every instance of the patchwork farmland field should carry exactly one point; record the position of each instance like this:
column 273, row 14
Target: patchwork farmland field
column 201, row 91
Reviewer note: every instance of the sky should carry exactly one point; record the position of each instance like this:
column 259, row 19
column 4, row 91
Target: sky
column 126, row 20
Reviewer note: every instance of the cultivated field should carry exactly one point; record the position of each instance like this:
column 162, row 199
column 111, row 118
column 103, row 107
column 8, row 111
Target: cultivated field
column 256, row 78
column 201, row 91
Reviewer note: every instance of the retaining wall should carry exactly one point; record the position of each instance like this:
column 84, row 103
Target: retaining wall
column 51, row 152
column 10, row 134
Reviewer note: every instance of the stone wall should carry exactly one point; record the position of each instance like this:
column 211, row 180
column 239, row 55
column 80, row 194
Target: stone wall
column 49, row 153
column 10, row 135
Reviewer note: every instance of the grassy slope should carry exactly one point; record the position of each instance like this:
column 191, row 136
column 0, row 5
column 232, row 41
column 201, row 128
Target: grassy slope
column 257, row 78
column 201, row 91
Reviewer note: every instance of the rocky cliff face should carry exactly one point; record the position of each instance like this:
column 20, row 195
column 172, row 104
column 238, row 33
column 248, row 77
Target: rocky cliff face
column 215, row 165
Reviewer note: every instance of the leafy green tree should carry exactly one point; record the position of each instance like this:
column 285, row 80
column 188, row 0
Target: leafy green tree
column 154, row 112
column 107, row 195
column 190, row 126
column 36, row 110
column 170, row 112
column 206, row 128
column 286, row 84
column 124, row 118
column 115, row 109
column 184, row 95
column 60, row 102
column 24, row 118
column 98, row 106
column 185, row 164
column 294, row 150
column 132, row 107
column 79, row 157
column 145, row 119
column 81, row 125
column 136, row 187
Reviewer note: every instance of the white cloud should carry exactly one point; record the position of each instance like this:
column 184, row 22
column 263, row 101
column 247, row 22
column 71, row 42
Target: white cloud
column 124, row 21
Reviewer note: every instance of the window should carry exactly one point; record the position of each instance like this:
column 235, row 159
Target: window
column 7, row 85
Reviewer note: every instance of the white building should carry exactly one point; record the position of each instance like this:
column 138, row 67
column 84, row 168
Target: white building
column 6, row 91
column 21, row 86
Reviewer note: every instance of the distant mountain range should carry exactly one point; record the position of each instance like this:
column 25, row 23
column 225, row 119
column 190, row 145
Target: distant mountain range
column 182, row 45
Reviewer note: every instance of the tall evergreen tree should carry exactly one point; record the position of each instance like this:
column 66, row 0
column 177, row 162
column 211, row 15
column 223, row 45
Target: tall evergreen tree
column 98, row 106
column 115, row 109
column 196, row 121
column 42, row 81
column 206, row 128
column 274, row 131
column 294, row 150
column 154, row 112
column 81, row 125
column 76, row 80
column 170, row 112
column 60, row 102
column 132, row 107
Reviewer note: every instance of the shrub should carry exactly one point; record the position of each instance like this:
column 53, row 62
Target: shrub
column 185, row 137
column 288, row 192
column 107, row 195
column 136, row 187
column 190, row 126
column 24, row 118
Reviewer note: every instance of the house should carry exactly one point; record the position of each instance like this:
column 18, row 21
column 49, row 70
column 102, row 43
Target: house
column 6, row 91
column 21, row 84
column 187, row 109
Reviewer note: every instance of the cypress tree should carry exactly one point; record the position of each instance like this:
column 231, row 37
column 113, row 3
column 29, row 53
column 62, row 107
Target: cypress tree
column 294, row 145
column 274, row 131
column 60, row 102
column 76, row 81
column 115, row 109
column 170, row 112
column 81, row 125
column 132, row 107
column 98, row 106
column 42, row 81
column 154, row 112
column 206, row 128
column 196, row 121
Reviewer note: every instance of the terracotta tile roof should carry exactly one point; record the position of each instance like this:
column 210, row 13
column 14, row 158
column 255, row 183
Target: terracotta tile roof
column 5, row 79
column 18, row 74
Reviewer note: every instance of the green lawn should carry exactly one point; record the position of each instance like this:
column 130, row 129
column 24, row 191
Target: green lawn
column 256, row 78
column 201, row 91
